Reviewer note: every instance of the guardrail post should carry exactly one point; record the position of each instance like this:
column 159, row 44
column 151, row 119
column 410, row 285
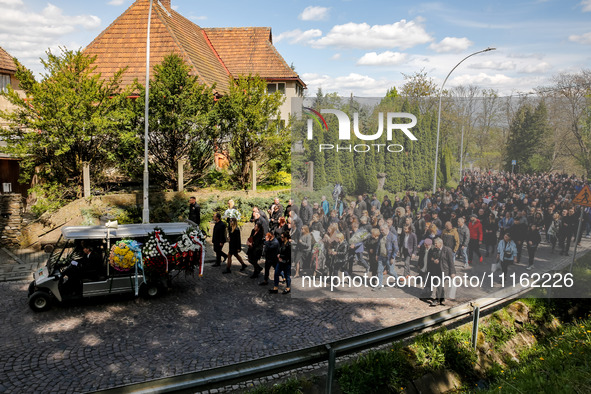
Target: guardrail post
column 475, row 320
column 331, row 368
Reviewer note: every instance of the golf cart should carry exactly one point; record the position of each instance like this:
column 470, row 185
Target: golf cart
column 132, row 242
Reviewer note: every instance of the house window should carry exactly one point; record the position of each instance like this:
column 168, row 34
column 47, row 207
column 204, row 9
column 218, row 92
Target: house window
column 4, row 82
column 299, row 90
column 276, row 86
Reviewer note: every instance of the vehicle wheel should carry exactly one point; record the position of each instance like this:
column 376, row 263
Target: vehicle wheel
column 40, row 301
column 152, row 290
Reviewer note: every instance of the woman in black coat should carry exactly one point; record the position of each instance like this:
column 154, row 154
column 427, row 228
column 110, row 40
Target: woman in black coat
column 271, row 252
column 255, row 249
column 489, row 236
column 282, row 227
column 386, row 209
column 371, row 245
column 235, row 246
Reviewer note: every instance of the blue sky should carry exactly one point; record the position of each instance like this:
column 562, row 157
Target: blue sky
column 354, row 47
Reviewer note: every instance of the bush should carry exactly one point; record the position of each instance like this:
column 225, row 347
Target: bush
column 220, row 179
column 376, row 372
column 291, row 386
column 50, row 197
column 500, row 328
column 279, row 178
column 428, row 353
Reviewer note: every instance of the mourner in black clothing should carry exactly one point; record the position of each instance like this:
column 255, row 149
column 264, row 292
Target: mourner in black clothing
column 194, row 211
column 89, row 266
column 441, row 261
column 218, row 239
column 283, row 266
column 255, row 249
column 235, row 246
column 271, row 252
column 532, row 240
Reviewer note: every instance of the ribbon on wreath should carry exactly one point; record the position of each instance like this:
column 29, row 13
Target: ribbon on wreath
column 157, row 237
column 197, row 241
column 137, row 251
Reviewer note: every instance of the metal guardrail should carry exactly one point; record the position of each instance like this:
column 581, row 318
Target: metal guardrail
column 266, row 366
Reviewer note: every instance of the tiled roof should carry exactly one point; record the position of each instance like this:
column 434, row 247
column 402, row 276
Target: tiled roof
column 213, row 53
column 6, row 63
column 249, row 50
column 123, row 44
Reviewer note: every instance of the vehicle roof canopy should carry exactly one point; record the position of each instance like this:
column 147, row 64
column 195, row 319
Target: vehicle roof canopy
column 123, row 231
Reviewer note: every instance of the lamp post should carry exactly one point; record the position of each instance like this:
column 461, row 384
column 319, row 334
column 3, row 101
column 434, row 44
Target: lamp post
column 462, row 155
column 146, row 211
column 439, row 113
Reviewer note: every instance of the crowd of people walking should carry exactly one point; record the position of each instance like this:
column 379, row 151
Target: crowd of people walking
column 489, row 214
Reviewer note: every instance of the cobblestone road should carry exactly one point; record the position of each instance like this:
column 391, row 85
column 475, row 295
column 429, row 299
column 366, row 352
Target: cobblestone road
column 200, row 323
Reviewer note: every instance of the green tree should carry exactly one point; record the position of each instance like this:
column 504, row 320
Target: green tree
column 70, row 117
column 569, row 100
column 249, row 120
column 181, row 125
column 528, row 132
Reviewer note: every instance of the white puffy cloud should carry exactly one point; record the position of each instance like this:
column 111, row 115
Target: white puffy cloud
column 314, row 13
column 297, row 36
column 26, row 35
column 387, row 58
column 482, row 79
column 116, row 2
column 541, row 67
column 451, row 44
column 11, row 3
column 336, row 56
column 401, row 34
column 586, row 4
column 494, row 65
column 582, row 39
column 362, row 85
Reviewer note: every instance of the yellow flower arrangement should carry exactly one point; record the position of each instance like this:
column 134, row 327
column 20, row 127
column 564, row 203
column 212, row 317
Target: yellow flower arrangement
column 122, row 257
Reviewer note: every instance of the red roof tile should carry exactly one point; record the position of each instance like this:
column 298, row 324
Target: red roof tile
column 213, row 53
column 249, row 50
column 123, row 44
column 6, row 62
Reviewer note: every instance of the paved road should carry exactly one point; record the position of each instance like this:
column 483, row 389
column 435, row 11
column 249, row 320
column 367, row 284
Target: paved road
column 201, row 323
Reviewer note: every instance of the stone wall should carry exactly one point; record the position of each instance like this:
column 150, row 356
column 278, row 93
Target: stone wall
column 11, row 209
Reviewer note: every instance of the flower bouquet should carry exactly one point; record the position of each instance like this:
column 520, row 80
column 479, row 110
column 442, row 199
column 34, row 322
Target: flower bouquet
column 190, row 251
column 232, row 213
column 158, row 254
column 359, row 236
column 124, row 255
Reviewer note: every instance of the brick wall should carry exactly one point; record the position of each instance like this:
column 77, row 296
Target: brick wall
column 11, row 209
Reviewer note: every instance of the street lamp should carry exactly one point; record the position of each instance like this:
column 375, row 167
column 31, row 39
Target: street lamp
column 439, row 113
column 146, row 211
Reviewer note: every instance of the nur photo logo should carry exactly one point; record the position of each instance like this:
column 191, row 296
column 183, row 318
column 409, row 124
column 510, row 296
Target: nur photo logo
column 345, row 130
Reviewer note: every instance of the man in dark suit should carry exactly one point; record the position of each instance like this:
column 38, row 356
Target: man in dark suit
column 89, row 266
column 194, row 211
column 91, row 263
column 218, row 239
column 441, row 264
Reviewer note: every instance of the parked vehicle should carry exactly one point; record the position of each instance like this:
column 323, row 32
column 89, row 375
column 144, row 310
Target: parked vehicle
column 68, row 274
